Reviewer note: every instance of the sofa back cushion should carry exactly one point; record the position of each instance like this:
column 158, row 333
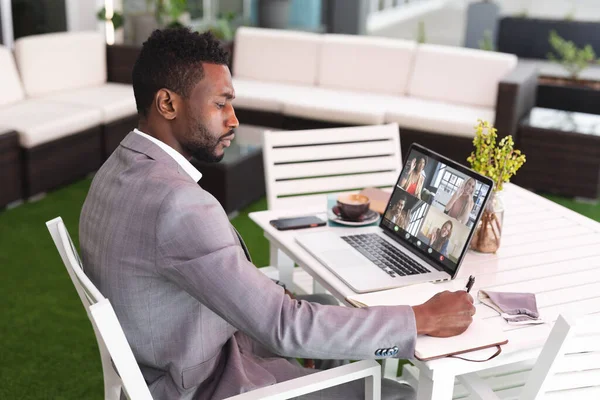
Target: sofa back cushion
column 276, row 55
column 10, row 82
column 366, row 63
column 459, row 75
column 61, row 61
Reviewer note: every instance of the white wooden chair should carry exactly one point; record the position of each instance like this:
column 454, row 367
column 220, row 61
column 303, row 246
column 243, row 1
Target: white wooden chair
column 110, row 337
column 302, row 167
column 115, row 352
column 568, row 367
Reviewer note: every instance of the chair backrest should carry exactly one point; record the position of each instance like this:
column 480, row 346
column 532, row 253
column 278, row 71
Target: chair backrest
column 568, row 367
column 107, row 325
column 569, row 363
column 112, row 343
column 301, row 167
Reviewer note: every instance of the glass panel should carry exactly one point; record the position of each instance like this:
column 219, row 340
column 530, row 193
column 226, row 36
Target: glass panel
column 32, row 17
column 1, row 38
column 196, row 9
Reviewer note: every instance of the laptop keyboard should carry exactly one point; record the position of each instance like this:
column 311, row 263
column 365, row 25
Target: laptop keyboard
column 387, row 257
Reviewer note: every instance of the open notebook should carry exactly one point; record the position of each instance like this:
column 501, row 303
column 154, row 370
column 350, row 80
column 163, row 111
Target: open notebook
column 479, row 335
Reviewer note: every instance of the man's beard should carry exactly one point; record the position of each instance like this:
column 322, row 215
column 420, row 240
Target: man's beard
column 205, row 153
column 204, row 147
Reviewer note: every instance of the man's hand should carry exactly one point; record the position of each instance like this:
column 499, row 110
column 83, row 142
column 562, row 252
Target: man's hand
column 445, row 314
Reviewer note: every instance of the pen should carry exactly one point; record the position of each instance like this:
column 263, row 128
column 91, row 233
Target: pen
column 470, row 283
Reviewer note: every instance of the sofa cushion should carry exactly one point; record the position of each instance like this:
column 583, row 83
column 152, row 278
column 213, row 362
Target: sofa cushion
column 437, row 117
column 266, row 96
column 366, row 63
column 115, row 100
column 276, row 56
column 41, row 121
column 257, row 95
column 332, row 105
column 459, row 75
column 10, row 82
column 60, row 61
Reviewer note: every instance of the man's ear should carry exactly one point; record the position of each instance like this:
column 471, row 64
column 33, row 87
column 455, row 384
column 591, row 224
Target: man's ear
column 165, row 102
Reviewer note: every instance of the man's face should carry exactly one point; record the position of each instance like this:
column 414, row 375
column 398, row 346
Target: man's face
column 209, row 120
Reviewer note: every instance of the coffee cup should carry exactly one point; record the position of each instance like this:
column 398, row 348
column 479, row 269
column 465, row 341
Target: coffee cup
column 352, row 206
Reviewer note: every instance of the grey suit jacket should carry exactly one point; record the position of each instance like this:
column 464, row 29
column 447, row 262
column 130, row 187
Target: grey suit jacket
column 195, row 311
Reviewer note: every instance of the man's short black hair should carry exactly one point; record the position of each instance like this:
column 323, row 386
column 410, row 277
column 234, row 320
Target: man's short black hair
column 172, row 59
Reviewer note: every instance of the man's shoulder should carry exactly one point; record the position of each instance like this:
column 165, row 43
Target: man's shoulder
column 144, row 180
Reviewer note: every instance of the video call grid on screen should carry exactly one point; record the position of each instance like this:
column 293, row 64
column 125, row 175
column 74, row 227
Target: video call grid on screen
column 436, row 209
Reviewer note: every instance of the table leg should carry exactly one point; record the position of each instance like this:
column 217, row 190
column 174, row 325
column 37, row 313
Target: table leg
column 284, row 264
column 439, row 389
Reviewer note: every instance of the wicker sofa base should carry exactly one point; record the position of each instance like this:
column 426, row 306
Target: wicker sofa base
column 562, row 163
column 63, row 161
column 454, row 147
column 457, row 148
column 114, row 132
column 11, row 184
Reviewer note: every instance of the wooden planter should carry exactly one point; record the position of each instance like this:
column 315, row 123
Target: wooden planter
column 528, row 37
column 569, row 95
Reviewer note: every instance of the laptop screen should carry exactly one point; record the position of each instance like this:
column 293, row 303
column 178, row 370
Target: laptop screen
column 435, row 206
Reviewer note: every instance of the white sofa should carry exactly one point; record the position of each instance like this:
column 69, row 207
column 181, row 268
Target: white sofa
column 298, row 80
column 56, row 97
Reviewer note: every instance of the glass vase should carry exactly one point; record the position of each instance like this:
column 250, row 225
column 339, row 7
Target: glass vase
column 489, row 229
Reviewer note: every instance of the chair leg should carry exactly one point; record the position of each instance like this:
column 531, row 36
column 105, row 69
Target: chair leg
column 390, row 368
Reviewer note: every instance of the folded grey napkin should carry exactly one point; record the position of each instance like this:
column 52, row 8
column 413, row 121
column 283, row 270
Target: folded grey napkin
column 515, row 308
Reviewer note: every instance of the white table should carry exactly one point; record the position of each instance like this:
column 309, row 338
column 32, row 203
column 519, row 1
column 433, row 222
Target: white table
column 546, row 249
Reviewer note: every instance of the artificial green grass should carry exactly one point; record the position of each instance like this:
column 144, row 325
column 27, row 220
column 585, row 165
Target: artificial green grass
column 47, row 346
column 589, row 209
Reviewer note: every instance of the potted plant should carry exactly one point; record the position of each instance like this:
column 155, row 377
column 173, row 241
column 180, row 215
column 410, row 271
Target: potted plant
column 571, row 92
column 573, row 59
column 117, row 21
column 498, row 161
column 172, row 13
column 487, row 42
column 421, row 34
column 223, row 29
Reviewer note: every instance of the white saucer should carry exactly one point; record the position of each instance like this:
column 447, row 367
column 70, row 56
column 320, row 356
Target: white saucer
column 370, row 217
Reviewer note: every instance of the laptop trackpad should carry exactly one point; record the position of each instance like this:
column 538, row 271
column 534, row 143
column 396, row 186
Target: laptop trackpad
column 346, row 258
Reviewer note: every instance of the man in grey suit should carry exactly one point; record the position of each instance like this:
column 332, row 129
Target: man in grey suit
column 202, row 321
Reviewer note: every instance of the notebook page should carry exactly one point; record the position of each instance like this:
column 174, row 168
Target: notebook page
column 479, row 334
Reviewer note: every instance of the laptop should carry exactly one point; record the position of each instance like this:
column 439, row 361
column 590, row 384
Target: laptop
column 423, row 235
